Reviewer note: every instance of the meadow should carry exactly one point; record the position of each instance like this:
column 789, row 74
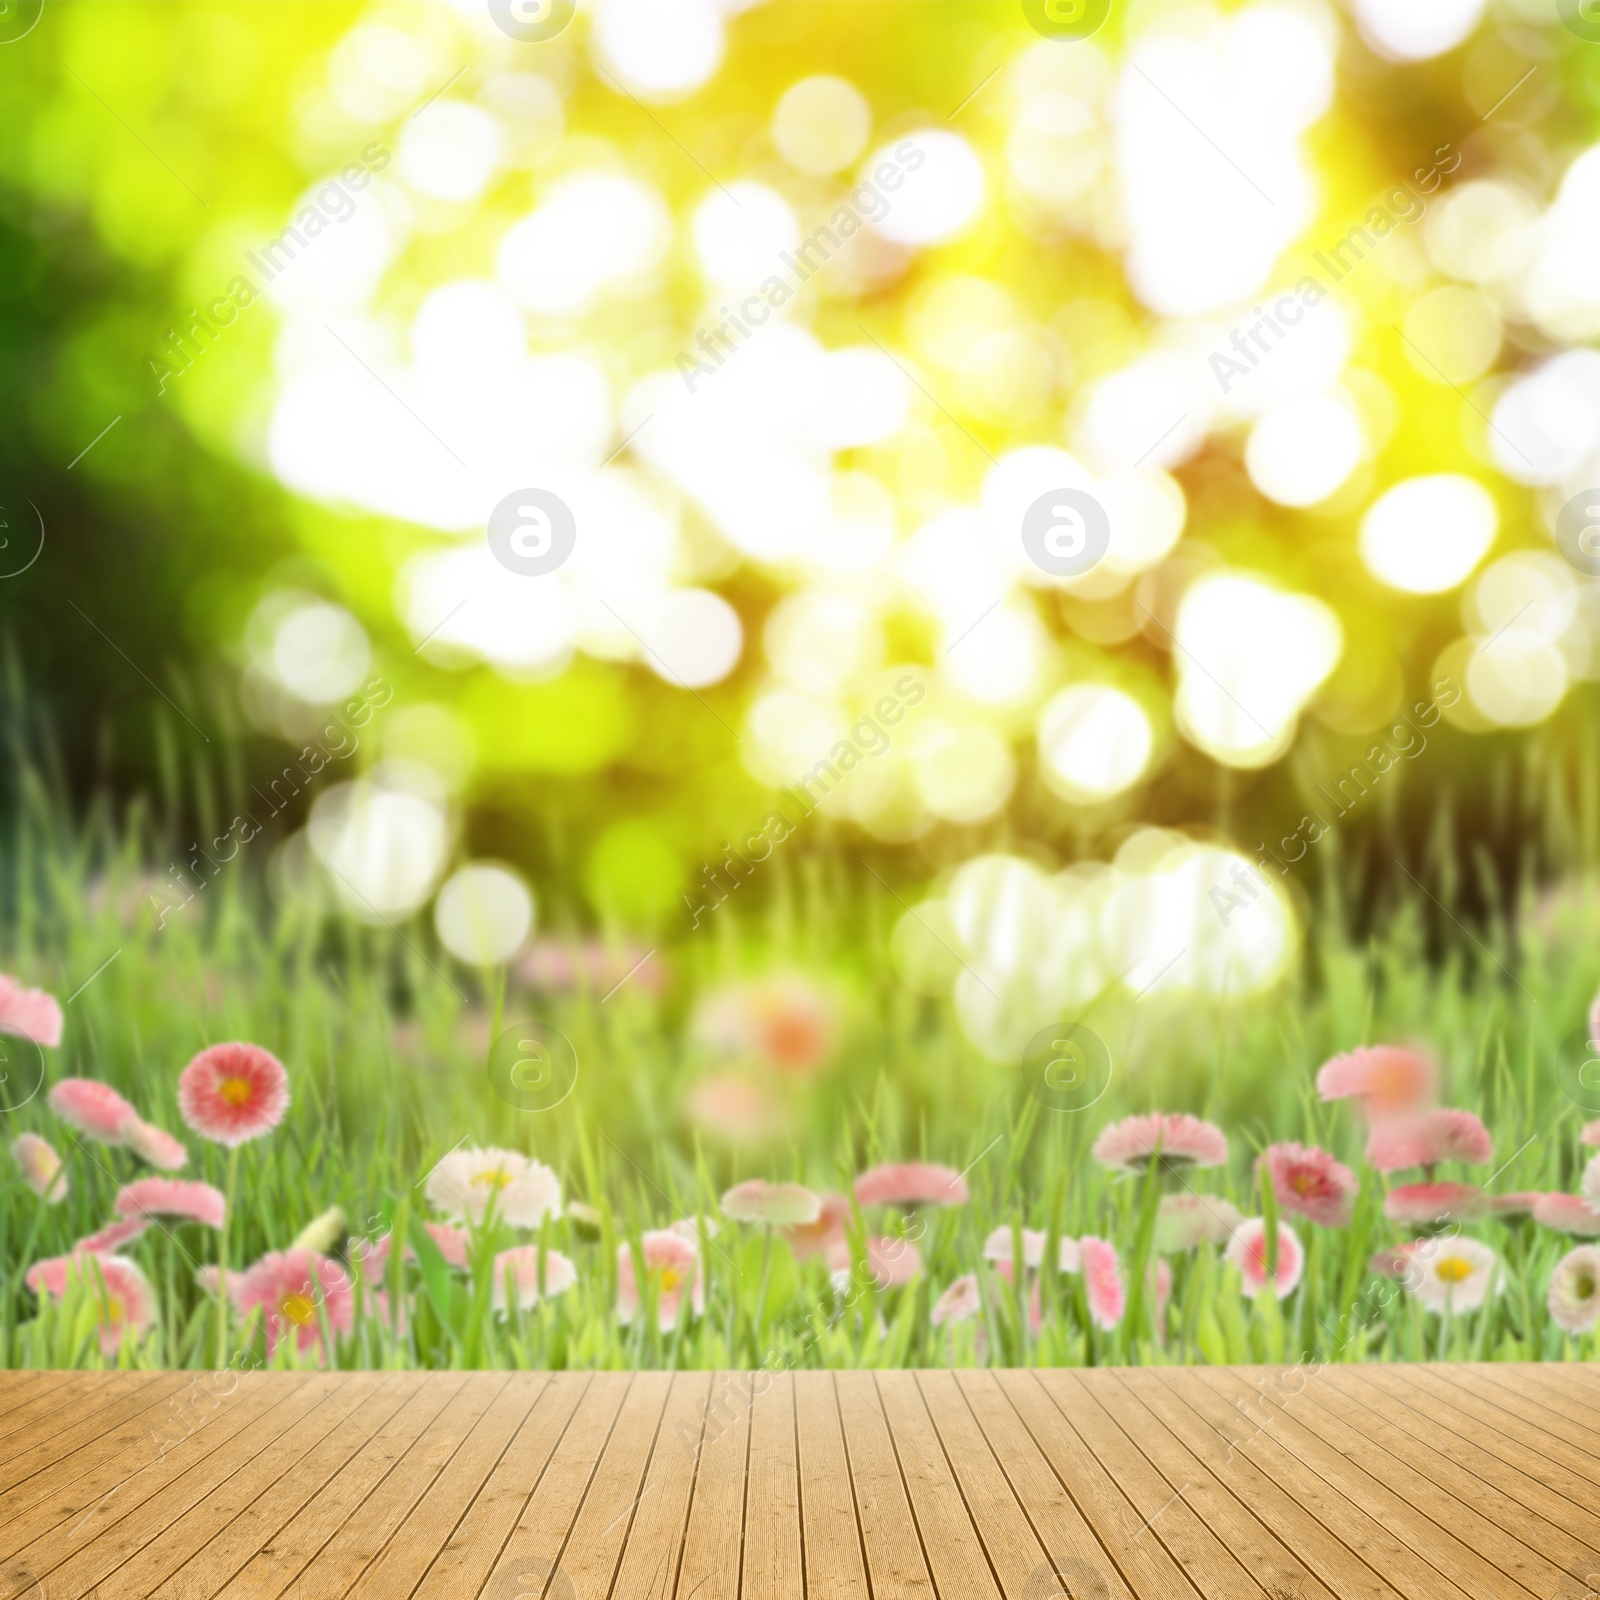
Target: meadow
column 387, row 1048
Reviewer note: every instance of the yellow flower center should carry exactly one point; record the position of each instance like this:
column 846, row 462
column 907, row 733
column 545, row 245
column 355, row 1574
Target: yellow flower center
column 1584, row 1286
column 236, row 1091
column 299, row 1309
column 1454, row 1269
column 115, row 1310
column 670, row 1279
column 494, row 1178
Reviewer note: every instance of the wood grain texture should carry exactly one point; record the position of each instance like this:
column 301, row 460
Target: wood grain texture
column 1344, row 1483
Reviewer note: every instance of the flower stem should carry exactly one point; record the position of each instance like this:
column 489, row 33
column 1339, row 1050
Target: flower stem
column 222, row 1260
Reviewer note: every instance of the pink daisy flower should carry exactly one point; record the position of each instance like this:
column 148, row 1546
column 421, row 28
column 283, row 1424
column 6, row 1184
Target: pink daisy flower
column 1174, row 1138
column 453, row 1243
column 171, row 1197
column 1395, row 1262
column 1387, row 1079
column 372, row 1255
column 231, row 1093
column 120, row 1293
column 733, row 1109
column 521, row 1266
column 1247, row 1250
column 1309, row 1183
column 1452, row 1275
column 788, row 1205
column 911, row 1183
column 1589, row 1186
column 1514, row 1207
column 1591, row 1131
column 1433, row 1204
column 959, row 1303
column 1184, row 1221
column 41, row 1167
column 1426, row 1138
column 288, row 1286
column 1574, row 1295
column 673, row 1265
column 998, row 1248
column 813, row 1238
column 95, row 1109
column 29, row 1013
column 1102, row 1278
column 112, row 1237
column 890, row 1262
column 1567, row 1213
column 784, row 1022
column 156, row 1146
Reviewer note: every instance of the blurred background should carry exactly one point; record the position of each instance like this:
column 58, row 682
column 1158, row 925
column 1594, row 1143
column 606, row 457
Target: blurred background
column 799, row 309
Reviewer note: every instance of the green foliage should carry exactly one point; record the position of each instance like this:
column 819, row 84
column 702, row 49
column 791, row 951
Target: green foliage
column 385, row 1042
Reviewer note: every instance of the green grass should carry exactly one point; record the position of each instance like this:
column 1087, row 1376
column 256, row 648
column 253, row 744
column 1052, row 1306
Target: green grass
column 385, row 1043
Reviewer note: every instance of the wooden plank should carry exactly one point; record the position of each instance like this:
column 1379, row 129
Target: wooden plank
column 1464, row 1414
column 1071, row 1550
column 44, row 1412
column 1367, row 1481
column 229, row 1517
column 1523, row 1506
column 1014, row 1552
column 649, row 1568
column 830, row 1532
column 473, row 1549
column 432, row 1522
column 1458, row 1503
column 336, row 1565
column 1273, row 1564
column 894, row 1556
column 713, row 1550
column 1344, row 1570
column 773, row 1559
column 78, row 1554
column 1167, row 1513
column 26, row 1395
column 1144, row 1562
column 1257, row 1436
column 123, row 1420
column 589, row 1553
column 1513, row 1419
column 958, row 1562
column 278, row 1537
column 1534, row 1408
column 1569, row 1388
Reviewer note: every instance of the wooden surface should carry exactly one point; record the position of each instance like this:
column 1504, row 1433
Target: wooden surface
column 1429, row 1483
